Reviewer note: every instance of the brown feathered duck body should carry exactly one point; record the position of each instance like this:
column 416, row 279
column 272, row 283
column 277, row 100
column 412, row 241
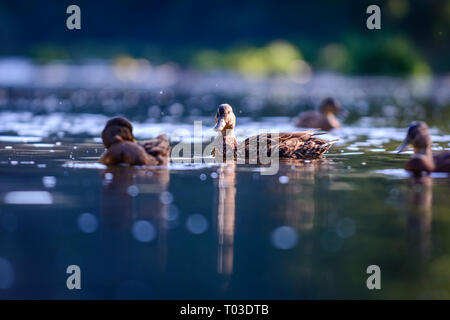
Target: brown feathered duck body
column 423, row 159
column 294, row 145
column 122, row 147
column 324, row 118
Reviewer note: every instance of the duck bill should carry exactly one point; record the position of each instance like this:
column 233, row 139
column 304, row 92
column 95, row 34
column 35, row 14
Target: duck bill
column 404, row 145
column 220, row 124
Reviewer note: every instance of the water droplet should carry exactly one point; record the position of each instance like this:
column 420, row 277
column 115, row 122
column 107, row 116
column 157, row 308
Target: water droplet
column 133, row 190
column 345, row 228
column 284, row 237
column 87, row 222
column 109, row 176
column 143, row 231
column 283, row 179
column 172, row 213
column 166, row 197
column 197, row 223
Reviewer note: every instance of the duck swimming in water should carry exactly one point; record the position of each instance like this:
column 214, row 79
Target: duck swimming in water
column 294, row 145
column 324, row 118
column 122, row 147
column 423, row 159
column 225, row 144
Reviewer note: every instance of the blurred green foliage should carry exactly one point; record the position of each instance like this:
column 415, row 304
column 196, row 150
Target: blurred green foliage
column 277, row 57
column 393, row 55
column 256, row 38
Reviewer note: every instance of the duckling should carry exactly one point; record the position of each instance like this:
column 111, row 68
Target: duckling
column 295, row 145
column 117, row 129
column 423, row 159
column 122, row 147
column 324, row 119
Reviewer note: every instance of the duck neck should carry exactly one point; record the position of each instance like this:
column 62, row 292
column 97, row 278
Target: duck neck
column 424, row 152
column 332, row 120
column 228, row 133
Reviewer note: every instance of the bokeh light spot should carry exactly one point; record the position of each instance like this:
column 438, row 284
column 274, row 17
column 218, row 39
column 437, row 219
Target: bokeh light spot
column 143, row 231
column 197, row 224
column 284, row 238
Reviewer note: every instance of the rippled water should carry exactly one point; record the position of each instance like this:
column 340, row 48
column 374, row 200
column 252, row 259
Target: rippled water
column 208, row 231
column 202, row 230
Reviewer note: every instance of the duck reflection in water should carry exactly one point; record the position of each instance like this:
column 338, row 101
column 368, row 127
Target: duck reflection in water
column 419, row 215
column 132, row 194
column 297, row 181
column 226, row 210
column 297, row 207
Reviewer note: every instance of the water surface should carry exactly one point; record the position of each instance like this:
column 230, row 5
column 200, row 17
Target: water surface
column 206, row 231
column 210, row 231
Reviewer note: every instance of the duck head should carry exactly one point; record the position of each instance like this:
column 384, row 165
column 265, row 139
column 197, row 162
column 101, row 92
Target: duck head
column 418, row 136
column 330, row 106
column 117, row 129
column 225, row 119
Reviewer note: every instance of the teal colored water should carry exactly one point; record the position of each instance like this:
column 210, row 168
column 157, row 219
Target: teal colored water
column 209, row 231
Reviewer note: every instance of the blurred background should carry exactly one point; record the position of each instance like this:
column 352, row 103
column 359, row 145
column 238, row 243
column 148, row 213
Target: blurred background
column 259, row 37
column 156, row 61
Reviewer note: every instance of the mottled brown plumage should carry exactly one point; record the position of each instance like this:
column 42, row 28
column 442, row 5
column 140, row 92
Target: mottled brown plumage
column 295, row 145
column 158, row 148
column 423, row 159
column 324, row 118
column 442, row 161
column 122, row 148
column 126, row 152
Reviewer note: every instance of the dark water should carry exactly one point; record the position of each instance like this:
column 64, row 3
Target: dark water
column 205, row 231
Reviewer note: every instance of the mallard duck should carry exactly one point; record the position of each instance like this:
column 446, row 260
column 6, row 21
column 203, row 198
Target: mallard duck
column 158, row 149
column 423, row 159
column 294, row 145
column 225, row 140
column 122, row 147
column 324, row 118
